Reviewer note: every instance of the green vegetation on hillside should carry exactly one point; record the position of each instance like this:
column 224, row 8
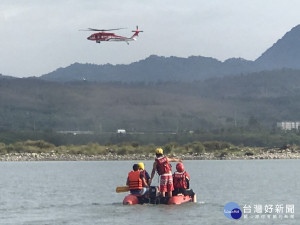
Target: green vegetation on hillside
column 242, row 110
column 231, row 102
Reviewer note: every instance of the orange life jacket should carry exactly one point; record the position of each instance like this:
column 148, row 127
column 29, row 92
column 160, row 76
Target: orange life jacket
column 163, row 166
column 179, row 180
column 135, row 181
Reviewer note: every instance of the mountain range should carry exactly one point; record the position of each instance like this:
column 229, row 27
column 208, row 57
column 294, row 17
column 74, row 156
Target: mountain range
column 159, row 93
column 285, row 53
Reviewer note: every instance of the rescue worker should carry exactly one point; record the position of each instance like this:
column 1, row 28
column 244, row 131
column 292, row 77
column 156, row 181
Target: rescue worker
column 181, row 182
column 141, row 167
column 136, row 182
column 163, row 168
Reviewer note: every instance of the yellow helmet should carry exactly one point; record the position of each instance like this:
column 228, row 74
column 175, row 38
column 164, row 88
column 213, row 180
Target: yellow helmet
column 141, row 165
column 159, row 151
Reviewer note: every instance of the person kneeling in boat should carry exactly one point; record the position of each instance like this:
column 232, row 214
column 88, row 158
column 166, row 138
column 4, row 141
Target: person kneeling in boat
column 136, row 182
column 141, row 167
column 181, row 182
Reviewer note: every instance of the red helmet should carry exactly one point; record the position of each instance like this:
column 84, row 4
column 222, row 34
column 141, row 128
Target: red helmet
column 179, row 167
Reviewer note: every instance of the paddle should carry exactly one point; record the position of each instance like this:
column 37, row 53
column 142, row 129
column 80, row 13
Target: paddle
column 122, row 189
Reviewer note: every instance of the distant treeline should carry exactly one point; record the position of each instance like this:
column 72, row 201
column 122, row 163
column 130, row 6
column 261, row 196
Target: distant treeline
column 238, row 137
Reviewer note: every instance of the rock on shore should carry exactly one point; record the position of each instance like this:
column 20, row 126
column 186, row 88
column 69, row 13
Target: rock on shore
column 205, row 156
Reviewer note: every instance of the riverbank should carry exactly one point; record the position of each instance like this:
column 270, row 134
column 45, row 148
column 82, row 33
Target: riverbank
column 267, row 154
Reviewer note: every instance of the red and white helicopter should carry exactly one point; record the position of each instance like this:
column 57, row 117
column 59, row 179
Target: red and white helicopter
column 104, row 36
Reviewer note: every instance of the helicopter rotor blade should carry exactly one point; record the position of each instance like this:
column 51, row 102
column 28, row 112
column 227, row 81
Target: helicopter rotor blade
column 102, row 30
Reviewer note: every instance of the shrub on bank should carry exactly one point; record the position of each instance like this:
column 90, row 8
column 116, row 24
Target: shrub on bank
column 215, row 146
column 2, row 148
column 198, row 147
column 27, row 146
column 219, row 149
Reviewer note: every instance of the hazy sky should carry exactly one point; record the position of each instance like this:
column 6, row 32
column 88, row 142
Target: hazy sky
column 38, row 37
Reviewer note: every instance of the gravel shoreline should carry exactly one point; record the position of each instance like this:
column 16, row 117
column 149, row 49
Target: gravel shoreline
column 12, row 157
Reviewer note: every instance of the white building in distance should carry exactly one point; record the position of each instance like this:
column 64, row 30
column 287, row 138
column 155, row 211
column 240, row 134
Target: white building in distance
column 121, row 131
column 287, row 125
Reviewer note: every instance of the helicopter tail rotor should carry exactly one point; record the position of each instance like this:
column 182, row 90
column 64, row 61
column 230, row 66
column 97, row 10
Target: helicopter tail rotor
column 136, row 33
column 137, row 30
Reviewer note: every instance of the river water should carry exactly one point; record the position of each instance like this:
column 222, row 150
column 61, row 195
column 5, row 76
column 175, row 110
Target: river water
column 83, row 193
